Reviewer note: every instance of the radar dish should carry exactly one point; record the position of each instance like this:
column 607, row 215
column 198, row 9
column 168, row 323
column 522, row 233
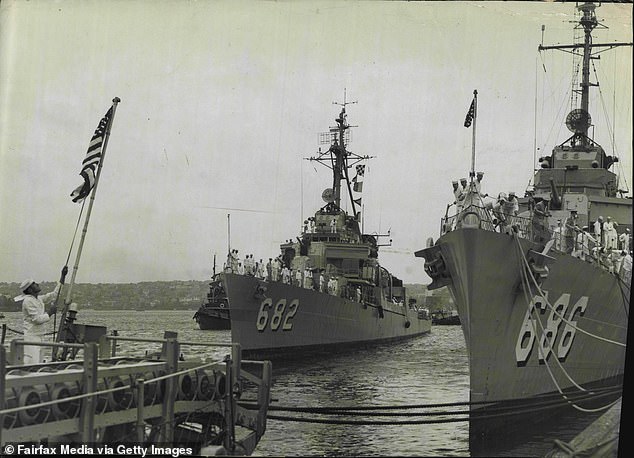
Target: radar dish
column 578, row 121
column 328, row 195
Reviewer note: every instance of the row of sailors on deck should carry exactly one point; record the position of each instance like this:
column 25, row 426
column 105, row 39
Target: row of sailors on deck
column 600, row 249
column 275, row 270
column 460, row 191
column 250, row 266
column 605, row 231
column 309, row 225
column 607, row 248
column 506, row 208
column 567, row 235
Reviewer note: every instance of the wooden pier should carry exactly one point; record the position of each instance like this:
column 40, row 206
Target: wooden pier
column 158, row 400
column 599, row 439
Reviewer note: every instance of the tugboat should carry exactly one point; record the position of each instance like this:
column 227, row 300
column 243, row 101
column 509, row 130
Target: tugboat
column 214, row 314
column 445, row 318
column 543, row 298
column 332, row 293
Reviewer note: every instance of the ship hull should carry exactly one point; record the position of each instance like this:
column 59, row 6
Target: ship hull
column 518, row 347
column 274, row 320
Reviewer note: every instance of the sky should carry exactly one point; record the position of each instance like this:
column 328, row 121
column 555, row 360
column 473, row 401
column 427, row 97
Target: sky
column 222, row 101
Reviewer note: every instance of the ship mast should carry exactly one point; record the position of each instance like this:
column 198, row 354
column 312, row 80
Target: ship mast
column 338, row 149
column 579, row 120
column 338, row 158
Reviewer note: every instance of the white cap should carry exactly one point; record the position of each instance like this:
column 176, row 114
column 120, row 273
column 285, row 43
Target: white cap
column 26, row 283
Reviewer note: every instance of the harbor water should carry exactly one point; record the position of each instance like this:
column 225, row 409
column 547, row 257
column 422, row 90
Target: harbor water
column 429, row 369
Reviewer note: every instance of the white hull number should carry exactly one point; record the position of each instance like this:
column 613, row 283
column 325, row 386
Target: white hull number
column 532, row 329
column 280, row 315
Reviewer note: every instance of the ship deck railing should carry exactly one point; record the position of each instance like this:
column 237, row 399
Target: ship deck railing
column 76, row 401
column 564, row 239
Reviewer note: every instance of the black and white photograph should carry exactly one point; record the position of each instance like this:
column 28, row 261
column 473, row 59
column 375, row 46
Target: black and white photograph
column 315, row 227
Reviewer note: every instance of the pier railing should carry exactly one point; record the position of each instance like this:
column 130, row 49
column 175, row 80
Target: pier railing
column 157, row 400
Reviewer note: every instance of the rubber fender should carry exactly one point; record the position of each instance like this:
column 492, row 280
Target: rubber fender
column 32, row 396
column 150, row 390
column 160, row 385
column 206, row 385
column 120, row 399
column 187, row 386
column 221, row 384
column 10, row 420
column 67, row 409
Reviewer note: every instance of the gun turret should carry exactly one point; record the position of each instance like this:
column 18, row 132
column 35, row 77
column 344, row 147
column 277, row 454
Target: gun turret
column 555, row 201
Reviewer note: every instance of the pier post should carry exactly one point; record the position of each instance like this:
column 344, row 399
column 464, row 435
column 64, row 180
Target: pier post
column 87, row 418
column 264, row 395
column 3, row 372
column 17, row 352
column 229, row 439
column 171, row 348
column 114, row 343
column 236, row 357
column 104, row 346
column 140, row 410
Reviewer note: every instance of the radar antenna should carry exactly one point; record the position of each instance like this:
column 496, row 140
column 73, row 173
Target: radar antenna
column 337, row 157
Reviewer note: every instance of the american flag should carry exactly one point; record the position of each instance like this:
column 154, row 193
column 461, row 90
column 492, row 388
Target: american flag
column 92, row 159
column 470, row 114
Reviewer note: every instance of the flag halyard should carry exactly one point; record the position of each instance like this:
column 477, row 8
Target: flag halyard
column 92, row 159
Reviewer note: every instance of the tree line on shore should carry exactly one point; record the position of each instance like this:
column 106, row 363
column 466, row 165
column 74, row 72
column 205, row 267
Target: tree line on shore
column 166, row 295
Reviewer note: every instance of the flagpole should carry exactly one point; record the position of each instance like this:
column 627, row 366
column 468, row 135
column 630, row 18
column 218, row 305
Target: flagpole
column 67, row 302
column 229, row 233
column 473, row 138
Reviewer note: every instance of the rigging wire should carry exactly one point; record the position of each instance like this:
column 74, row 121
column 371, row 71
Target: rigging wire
column 553, row 96
column 535, row 120
column 610, row 128
column 541, row 293
column 525, row 272
column 70, row 250
column 625, row 293
column 527, row 295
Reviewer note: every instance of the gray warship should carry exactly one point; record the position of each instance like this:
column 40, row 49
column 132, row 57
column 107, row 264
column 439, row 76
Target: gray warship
column 277, row 319
column 543, row 299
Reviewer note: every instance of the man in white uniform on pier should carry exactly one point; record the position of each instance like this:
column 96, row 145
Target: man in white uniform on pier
column 34, row 315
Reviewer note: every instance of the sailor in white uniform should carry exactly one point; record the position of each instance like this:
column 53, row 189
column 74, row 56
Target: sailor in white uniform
column 35, row 316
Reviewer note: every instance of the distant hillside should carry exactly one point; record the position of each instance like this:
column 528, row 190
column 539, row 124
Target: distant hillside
column 160, row 295
column 169, row 295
